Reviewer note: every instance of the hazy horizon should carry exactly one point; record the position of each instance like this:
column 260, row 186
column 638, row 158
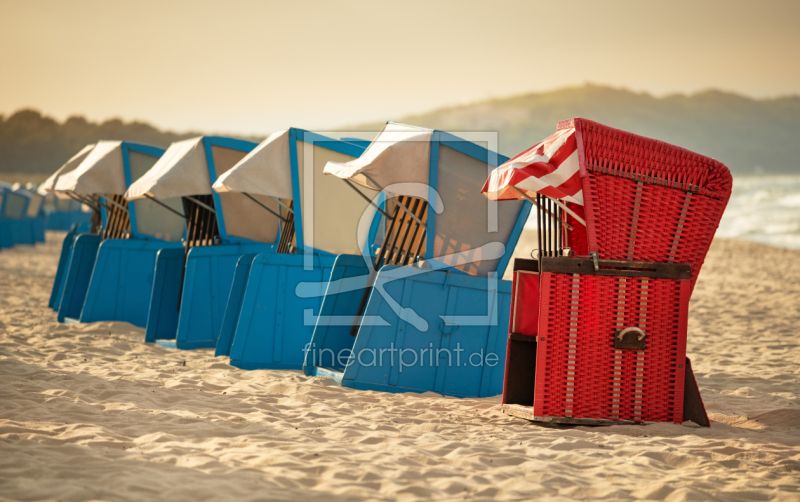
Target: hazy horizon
column 346, row 126
column 250, row 67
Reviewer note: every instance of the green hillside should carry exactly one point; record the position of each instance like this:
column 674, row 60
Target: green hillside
column 749, row 135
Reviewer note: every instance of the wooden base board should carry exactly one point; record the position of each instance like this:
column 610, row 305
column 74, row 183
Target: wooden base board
column 693, row 408
column 526, row 412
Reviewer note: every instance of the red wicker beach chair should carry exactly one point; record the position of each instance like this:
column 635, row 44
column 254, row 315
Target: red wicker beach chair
column 598, row 325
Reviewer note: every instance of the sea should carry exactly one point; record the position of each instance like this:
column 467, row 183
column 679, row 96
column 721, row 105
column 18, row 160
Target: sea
column 763, row 208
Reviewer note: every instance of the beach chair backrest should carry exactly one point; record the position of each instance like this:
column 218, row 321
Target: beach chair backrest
column 35, row 204
column 14, row 204
column 149, row 218
column 460, row 228
column 469, row 221
column 315, row 213
column 647, row 200
column 240, row 217
column 116, row 221
column 330, row 218
column 404, row 242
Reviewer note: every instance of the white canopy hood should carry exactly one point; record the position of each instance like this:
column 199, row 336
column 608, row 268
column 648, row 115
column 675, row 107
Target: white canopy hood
column 49, row 184
column 181, row 171
column 399, row 154
column 101, row 172
column 267, row 170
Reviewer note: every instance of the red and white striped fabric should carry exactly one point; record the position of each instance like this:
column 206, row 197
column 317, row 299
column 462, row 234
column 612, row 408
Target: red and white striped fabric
column 550, row 168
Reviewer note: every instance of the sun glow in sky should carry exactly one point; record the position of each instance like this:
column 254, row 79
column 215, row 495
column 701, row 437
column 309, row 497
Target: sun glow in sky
column 256, row 66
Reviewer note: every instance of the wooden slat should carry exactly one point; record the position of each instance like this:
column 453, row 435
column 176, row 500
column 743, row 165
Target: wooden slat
column 118, row 222
column 402, row 244
column 285, row 244
column 616, row 268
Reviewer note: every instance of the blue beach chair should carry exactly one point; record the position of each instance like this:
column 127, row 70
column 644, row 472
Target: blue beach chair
column 36, row 214
column 191, row 284
column 30, row 227
column 266, row 323
column 60, row 213
column 109, row 273
column 13, row 224
column 430, row 312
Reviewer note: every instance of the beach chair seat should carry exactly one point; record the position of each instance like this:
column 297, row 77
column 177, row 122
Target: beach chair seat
column 598, row 331
column 608, row 345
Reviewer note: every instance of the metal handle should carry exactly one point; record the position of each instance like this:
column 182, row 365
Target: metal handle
column 631, row 329
column 630, row 343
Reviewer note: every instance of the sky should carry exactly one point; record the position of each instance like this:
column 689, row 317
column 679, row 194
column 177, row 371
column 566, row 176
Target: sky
column 252, row 67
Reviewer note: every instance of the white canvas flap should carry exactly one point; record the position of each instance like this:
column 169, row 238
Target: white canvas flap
column 50, row 183
column 267, row 170
column 181, row 171
column 399, row 154
column 101, row 172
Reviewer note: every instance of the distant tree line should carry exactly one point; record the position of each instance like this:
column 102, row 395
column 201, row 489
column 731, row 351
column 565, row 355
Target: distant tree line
column 31, row 143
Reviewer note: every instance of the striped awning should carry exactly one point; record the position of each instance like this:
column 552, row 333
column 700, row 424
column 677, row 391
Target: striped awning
column 550, row 168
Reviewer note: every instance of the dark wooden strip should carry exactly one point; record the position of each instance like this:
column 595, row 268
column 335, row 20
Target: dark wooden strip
column 526, row 264
column 521, row 338
column 526, row 412
column 616, row 268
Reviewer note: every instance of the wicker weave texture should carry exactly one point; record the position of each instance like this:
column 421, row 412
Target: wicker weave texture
column 647, row 200
column 579, row 374
column 619, row 153
column 635, row 221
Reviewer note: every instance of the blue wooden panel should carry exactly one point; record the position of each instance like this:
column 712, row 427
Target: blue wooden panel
column 207, row 283
column 122, row 281
column 59, row 221
column 63, row 261
column 458, row 358
column 348, row 280
column 22, row 231
column 234, row 306
column 78, row 275
column 6, row 233
column 277, row 320
column 38, row 225
column 162, row 315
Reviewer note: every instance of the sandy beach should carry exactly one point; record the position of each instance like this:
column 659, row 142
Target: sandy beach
column 90, row 412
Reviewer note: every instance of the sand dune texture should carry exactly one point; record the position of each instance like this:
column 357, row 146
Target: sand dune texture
column 89, row 412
